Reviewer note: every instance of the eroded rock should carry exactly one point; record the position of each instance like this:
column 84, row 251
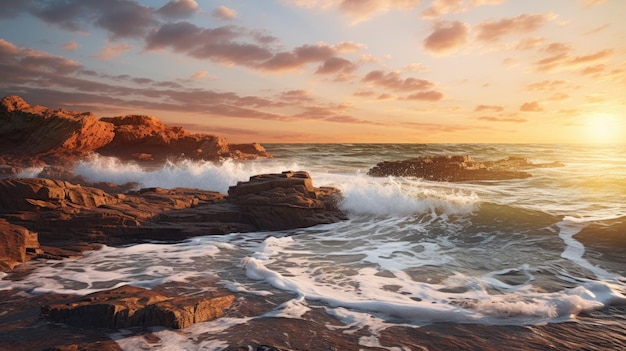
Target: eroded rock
column 285, row 201
column 129, row 306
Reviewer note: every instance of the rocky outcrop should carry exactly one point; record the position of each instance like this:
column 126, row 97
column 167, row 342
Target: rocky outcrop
column 145, row 138
column 129, row 306
column 63, row 214
column 16, row 245
column 457, row 168
column 286, row 200
column 35, row 135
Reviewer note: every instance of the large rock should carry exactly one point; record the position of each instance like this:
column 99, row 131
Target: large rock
column 129, row 306
column 145, row 138
column 34, row 194
column 457, row 168
column 36, row 135
column 16, row 245
column 29, row 134
column 285, row 201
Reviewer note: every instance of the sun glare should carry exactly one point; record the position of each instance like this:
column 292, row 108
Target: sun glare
column 603, row 128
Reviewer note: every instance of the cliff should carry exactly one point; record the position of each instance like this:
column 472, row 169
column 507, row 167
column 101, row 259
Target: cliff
column 36, row 135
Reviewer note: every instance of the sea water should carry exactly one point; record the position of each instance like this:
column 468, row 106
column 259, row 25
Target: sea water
column 413, row 252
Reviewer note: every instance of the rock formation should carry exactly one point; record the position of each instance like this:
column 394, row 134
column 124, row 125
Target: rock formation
column 129, row 306
column 62, row 213
column 35, row 135
column 145, row 138
column 287, row 200
column 457, row 168
column 17, row 244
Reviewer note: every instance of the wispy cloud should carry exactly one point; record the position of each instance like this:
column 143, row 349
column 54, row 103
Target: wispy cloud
column 494, row 30
column 111, row 51
column 224, row 13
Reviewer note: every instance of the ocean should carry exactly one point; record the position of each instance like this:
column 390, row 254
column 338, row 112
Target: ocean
column 546, row 250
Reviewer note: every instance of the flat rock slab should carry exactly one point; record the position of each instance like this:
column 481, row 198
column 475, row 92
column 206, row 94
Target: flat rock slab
column 458, row 168
column 130, row 306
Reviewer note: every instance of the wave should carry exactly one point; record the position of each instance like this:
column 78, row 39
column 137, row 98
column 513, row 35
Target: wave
column 203, row 175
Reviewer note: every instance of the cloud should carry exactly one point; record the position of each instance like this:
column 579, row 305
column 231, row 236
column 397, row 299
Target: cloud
column 122, row 18
column 493, row 108
column 203, row 75
column 440, row 8
column 591, row 2
column 111, row 50
column 336, row 65
column 70, row 45
column 179, row 9
column 503, row 119
column 12, row 8
column 358, row 10
column 494, row 30
column 550, row 85
column 392, row 81
column 222, row 44
column 564, row 61
column 446, row 37
column 224, row 13
column 430, row 95
column 531, row 107
column 298, row 57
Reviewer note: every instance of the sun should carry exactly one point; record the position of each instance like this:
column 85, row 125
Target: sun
column 603, row 128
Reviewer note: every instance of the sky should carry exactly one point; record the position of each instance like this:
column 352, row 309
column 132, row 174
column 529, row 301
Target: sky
column 329, row 71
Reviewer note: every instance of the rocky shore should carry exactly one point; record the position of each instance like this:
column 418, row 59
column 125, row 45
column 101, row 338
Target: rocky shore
column 59, row 215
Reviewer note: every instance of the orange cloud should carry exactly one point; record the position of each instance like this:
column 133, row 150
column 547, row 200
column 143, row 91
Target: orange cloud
column 563, row 61
column 224, row 13
column 489, row 108
column 446, row 37
column 70, row 45
column 491, row 31
column 179, row 9
column 531, row 107
column 358, row 10
column 112, row 51
column 392, row 81
column 503, row 119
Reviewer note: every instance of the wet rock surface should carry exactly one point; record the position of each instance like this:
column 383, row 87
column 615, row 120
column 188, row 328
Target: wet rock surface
column 458, row 168
column 129, row 306
column 59, row 214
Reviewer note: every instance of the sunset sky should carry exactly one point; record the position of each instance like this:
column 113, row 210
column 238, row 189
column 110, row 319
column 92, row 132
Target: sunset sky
column 410, row 71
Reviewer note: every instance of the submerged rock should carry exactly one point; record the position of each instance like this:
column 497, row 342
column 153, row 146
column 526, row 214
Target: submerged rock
column 129, row 306
column 457, row 168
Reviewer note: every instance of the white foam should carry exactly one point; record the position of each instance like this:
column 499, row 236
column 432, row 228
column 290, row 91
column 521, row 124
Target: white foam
column 574, row 249
column 185, row 173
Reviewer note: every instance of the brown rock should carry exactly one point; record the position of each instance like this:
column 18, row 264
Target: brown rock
column 129, row 306
column 145, row 138
column 36, row 135
column 457, row 168
column 16, row 243
column 285, row 201
column 30, row 133
column 39, row 193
